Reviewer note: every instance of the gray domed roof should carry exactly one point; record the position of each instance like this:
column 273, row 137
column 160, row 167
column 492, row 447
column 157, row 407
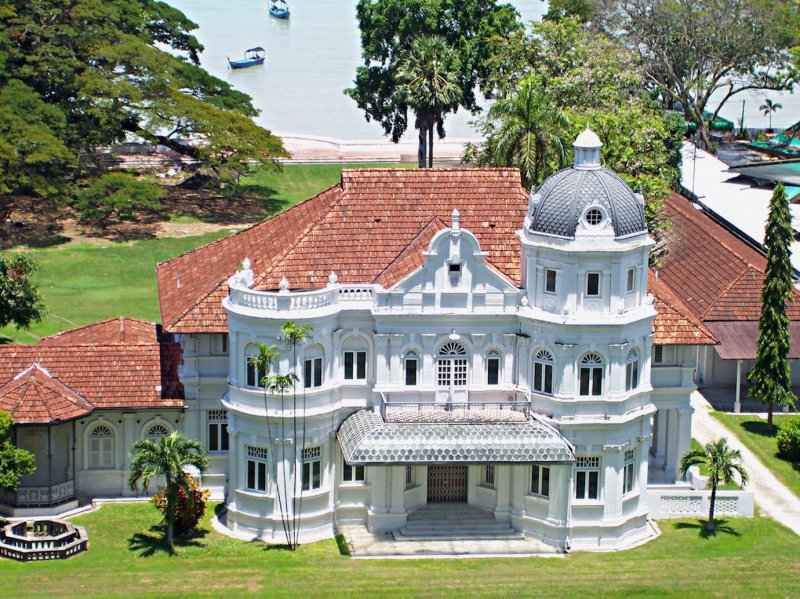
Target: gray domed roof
column 563, row 199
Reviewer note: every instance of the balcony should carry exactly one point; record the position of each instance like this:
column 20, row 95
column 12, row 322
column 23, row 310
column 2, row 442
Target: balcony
column 46, row 496
column 455, row 412
column 282, row 303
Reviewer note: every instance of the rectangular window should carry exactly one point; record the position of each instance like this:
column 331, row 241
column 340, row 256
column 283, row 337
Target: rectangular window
column 587, row 478
column 312, row 373
column 255, row 375
column 591, row 382
column 454, row 272
column 630, row 281
column 540, row 480
column 631, row 375
column 663, row 354
column 355, row 365
column 493, row 371
column 411, row 372
column 353, row 474
column 312, row 468
column 217, row 430
column 410, row 479
column 543, row 378
column 628, row 473
column 256, row 468
column 550, row 280
column 592, row 284
column 100, row 452
column 487, row 476
column 219, row 344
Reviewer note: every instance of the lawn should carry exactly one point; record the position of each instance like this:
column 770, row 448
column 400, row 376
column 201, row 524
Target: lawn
column 752, row 431
column 83, row 283
column 126, row 558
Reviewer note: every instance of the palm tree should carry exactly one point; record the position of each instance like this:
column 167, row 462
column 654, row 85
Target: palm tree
column 279, row 384
column 294, row 335
column 427, row 77
column 167, row 457
column 527, row 130
column 768, row 107
column 721, row 462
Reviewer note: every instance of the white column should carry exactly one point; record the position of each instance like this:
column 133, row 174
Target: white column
column 398, row 484
column 684, row 436
column 233, row 466
column 612, row 482
column 737, row 405
column 560, row 494
column 502, row 484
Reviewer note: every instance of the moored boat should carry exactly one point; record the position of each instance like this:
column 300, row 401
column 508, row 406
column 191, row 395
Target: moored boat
column 279, row 9
column 252, row 57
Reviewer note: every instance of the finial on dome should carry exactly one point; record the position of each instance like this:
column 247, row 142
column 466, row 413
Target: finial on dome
column 456, row 219
column 587, row 150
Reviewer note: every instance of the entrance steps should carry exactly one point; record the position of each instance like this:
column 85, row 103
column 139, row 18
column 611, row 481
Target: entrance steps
column 454, row 522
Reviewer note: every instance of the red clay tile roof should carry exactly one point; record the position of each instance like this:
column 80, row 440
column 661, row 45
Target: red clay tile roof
column 34, row 397
column 717, row 275
column 129, row 331
column 675, row 324
column 386, row 210
column 110, row 364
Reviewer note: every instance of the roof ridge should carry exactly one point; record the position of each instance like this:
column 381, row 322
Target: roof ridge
column 94, row 324
column 725, row 291
column 407, row 247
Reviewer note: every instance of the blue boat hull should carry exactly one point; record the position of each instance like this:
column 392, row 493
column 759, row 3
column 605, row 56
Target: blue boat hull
column 279, row 14
column 243, row 64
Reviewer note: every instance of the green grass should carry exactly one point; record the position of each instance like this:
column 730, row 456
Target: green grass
column 84, row 283
column 297, row 182
column 752, row 431
column 695, row 445
column 746, row 558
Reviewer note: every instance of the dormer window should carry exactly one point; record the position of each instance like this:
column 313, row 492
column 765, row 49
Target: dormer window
column 594, row 217
column 454, row 272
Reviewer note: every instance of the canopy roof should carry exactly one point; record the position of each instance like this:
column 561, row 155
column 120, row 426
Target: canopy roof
column 738, row 340
column 366, row 439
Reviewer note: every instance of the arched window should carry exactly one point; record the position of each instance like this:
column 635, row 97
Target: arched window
column 543, row 372
column 452, row 365
column 591, row 374
column 255, row 374
column 411, row 367
column 156, row 431
column 493, row 367
column 101, row 447
column 632, row 370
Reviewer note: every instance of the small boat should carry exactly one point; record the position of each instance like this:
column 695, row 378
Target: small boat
column 279, row 9
column 252, row 57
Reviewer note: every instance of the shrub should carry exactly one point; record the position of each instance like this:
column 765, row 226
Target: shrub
column 191, row 504
column 789, row 440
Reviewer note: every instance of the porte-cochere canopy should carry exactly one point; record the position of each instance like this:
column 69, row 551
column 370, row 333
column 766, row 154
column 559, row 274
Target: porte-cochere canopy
column 366, row 439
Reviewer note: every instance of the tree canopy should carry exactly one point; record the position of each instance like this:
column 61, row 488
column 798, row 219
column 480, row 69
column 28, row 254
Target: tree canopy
column 694, row 50
column 14, row 463
column 20, row 300
column 78, row 75
column 473, row 29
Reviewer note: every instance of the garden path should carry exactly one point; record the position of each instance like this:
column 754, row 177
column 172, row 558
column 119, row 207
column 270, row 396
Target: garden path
column 772, row 496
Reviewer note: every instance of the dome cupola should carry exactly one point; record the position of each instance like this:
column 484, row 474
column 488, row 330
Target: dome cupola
column 585, row 194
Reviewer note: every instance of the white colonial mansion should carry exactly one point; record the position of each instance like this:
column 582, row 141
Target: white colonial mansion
column 470, row 343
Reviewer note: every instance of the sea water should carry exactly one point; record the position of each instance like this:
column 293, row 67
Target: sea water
column 312, row 57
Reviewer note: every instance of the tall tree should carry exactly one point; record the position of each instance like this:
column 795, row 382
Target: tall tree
column 167, row 458
column 427, row 77
column 14, row 462
column 295, row 335
column 473, row 29
column 20, row 300
column 771, row 375
column 279, row 384
column 722, row 463
column 694, row 50
column 83, row 74
column 529, row 131
column 768, row 107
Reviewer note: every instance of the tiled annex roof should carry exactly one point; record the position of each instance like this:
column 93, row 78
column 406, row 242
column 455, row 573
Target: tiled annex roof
column 358, row 228
column 675, row 323
column 35, row 397
column 717, row 275
column 112, row 364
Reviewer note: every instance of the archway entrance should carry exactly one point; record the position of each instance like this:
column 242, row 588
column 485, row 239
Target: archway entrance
column 447, row 484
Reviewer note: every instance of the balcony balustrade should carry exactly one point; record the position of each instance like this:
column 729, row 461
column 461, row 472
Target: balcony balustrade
column 341, row 296
column 45, row 496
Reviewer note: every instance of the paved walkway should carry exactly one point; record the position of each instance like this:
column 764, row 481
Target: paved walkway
column 772, row 496
column 305, row 148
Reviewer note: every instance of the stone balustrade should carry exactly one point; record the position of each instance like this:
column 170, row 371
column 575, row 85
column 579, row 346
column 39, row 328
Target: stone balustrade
column 299, row 301
column 45, row 496
column 38, row 540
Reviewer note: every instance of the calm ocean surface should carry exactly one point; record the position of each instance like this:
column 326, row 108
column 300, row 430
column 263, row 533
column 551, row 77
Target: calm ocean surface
column 313, row 56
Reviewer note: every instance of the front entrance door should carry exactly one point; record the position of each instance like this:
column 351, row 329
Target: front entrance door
column 447, row 484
